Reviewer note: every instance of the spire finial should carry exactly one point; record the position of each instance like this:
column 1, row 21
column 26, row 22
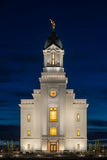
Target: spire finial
column 53, row 24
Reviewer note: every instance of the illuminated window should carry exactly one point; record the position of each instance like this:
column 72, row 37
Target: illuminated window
column 53, row 114
column 53, row 93
column 78, row 146
column 28, row 146
column 78, row 132
column 78, row 117
column 28, row 117
column 53, row 58
column 53, row 131
column 28, row 132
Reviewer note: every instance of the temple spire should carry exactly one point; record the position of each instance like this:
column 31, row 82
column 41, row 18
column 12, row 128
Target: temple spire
column 53, row 24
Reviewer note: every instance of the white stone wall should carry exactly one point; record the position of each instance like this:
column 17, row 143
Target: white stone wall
column 27, row 125
column 73, row 107
column 34, row 144
column 71, row 144
column 31, row 107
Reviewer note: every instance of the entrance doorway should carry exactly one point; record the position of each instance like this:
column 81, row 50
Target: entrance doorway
column 53, row 147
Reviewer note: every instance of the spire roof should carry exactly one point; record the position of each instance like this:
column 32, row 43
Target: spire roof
column 53, row 39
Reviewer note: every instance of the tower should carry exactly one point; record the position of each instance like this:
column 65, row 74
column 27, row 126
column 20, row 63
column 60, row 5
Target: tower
column 53, row 120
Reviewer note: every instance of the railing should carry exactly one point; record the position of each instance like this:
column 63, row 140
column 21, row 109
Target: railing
column 79, row 101
column 27, row 101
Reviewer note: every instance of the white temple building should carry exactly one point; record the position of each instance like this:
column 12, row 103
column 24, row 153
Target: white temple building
column 53, row 121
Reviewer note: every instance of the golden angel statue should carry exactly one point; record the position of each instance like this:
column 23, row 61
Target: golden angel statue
column 53, row 24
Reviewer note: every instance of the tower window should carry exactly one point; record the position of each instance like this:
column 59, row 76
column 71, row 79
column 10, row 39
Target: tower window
column 28, row 132
column 78, row 146
column 53, row 114
column 28, row 118
column 53, row 131
column 78, row 132
column 53, row 58
column 78, row 117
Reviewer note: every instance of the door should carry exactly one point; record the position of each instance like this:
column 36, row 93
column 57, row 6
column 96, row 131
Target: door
column 53, row 147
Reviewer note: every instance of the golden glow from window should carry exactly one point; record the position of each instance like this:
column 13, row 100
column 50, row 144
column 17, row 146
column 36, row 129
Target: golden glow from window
column 78, row 146
column 78, row 117
column 53, row 58
column 28, row 146
column 53, row 114
column 53, row 131
column 28, row 117
column 53, row 93
column 28, row 132
column 78, row 132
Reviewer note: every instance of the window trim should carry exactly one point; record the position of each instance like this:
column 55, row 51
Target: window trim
column 78, row 132
column 51, row 134
column 28, row 117
column 54, row 110
column 78, row 117
column 53, row 58
column 28, row 132
column 78, row 147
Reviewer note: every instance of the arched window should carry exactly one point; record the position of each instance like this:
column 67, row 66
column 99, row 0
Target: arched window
column 78, row 132
column 53, row 131
column 28, row 146
column 53, row 58
column 28, row 118
column 53, row 114
column 28, row 132
column 78, row 117
column 78, row 146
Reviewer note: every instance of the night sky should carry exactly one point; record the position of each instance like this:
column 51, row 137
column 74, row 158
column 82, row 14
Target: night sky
column 24, row 28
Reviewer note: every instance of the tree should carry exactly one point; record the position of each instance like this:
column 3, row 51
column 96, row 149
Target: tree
column 7, row 146
column 95, row 146
column 90, row 148
column 98, row 146
column 11, row 146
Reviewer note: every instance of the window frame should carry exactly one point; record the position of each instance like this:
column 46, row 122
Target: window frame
column 78, row 147
column 54, row 130
column 78, row 132
column 78, row 117
column 53, row 58
column 28, row 117
column 28, row 146
column 53, row 110
column 28, row 132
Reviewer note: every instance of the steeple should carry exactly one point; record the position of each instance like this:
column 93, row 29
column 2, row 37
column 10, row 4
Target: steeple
column 53, row 52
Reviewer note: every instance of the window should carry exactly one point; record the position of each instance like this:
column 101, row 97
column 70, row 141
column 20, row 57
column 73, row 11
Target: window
column 28, row 146
column 53, row 58
column 53, row 93
column 53, row 131
column 78, row 132
column 53, row 114
column 28, row 132
column 78, row 117
column 78, row 146
column 28, row 117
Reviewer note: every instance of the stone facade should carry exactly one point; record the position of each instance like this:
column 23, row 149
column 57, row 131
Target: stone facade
column 71, row 119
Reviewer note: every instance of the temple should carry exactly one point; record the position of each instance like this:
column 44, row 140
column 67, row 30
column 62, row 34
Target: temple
column 53, row 121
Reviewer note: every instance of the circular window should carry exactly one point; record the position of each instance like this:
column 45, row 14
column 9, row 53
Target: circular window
column 53, row 93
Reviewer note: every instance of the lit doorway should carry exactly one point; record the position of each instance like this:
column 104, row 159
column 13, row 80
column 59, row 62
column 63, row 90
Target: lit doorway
column 53, row 147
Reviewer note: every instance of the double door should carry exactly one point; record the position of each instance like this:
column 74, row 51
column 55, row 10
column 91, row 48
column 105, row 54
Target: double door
column 53, row 147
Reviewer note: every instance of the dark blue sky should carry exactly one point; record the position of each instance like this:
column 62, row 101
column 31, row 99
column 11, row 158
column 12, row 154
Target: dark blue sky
column 24, row 28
